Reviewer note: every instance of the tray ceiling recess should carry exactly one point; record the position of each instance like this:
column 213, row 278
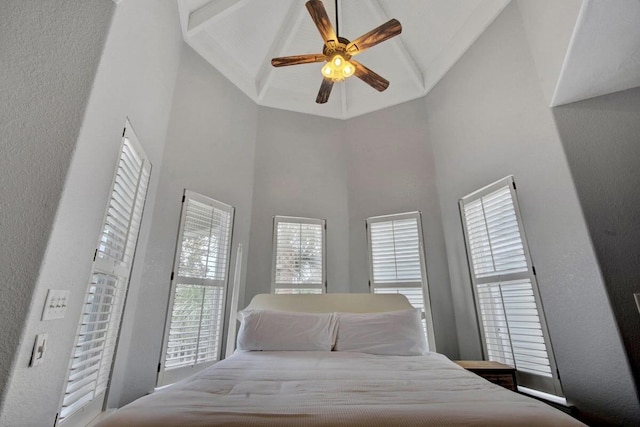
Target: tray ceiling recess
column 239, row 38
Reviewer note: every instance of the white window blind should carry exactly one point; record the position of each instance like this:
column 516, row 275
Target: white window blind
column 397, row 264
column 505, row 288
column 97, row 335
column 298, row 255
column 194, row 328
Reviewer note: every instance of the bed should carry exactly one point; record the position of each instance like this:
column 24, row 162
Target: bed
column 311, row 387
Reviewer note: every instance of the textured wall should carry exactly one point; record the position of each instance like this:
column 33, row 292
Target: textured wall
column 487, row 119
column 601, row 137
column 144, row 35
column 210, row 150
column 50, row 51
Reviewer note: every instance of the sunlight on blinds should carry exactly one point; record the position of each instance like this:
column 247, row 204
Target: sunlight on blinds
column 509, row 313
column 194, row 335
column 494, row 236
column 395, row 247
column 199, row 297
column 96, row 340
column 205, row 237
column 299, row 253
column 395, row 257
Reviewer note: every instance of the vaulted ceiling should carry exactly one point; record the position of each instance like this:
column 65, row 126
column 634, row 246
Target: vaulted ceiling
column 239, row 38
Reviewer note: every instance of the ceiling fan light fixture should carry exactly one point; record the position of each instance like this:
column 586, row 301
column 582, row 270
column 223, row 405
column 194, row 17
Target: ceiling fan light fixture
column 337, row 52
column 338, row 68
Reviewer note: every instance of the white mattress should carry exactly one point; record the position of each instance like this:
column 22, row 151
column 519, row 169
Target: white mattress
column 336, row 389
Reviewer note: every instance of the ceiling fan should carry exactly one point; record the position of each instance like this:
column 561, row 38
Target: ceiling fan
column 338, row 52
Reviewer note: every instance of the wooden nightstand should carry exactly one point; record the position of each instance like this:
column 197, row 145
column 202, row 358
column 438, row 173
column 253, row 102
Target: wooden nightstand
column 497, row 373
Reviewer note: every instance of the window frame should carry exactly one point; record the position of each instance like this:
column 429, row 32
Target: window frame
column 525, row 379
column 423, row 284
column 169, row 376
column 297, row 288
column 115, row 268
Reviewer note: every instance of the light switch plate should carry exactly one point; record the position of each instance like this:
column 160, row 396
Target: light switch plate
column 39, row 348
column 55, row 306
column 637, row 297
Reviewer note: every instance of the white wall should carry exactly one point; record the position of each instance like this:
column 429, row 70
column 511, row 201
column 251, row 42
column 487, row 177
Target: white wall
column 601, row 138
column 50, row 52
column 488, row 118
column 210, row 150
column 391, row 170
column 345, row 172
column 300, row 170
column 549, row 25
column 144, row 36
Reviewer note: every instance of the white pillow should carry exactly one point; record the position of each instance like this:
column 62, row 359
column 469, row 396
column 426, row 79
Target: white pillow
column 391, row 333
column 282, row 330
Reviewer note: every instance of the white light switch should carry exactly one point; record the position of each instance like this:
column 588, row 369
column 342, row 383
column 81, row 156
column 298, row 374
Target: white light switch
column 39, row 347
column 55, row 306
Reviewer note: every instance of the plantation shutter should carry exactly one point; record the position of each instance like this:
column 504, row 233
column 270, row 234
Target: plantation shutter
column 397, row 264
column 96, row 339
column 298, row 255
column 506, row 293
column 197, row 306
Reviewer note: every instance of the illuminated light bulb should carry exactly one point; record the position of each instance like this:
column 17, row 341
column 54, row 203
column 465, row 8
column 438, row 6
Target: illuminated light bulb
column 327, row 70
column 337, row 61
column 348, row 69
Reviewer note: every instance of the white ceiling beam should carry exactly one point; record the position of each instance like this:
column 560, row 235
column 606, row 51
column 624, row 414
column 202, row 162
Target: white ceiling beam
column 405, row 56
column 212, row 11
column 286, row 32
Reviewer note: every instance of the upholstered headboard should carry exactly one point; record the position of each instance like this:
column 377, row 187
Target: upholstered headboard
column 328, row 303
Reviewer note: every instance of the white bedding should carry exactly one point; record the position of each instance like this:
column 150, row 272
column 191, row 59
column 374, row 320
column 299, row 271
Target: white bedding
column 289, row 388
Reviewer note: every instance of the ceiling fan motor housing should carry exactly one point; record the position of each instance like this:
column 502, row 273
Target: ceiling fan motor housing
column 332, row 47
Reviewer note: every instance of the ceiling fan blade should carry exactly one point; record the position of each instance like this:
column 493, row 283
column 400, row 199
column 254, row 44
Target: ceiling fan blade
column 384, row 32
column 319, row 15
column 284, row 61
column 371, row 78
column 325, row 91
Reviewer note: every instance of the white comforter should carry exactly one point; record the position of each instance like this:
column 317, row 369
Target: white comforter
column 335, row 389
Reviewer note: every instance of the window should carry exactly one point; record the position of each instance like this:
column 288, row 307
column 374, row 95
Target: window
column 298, row 255
column 397, row 264
column 512, row 323
column 95, row 342
column 198, row 289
